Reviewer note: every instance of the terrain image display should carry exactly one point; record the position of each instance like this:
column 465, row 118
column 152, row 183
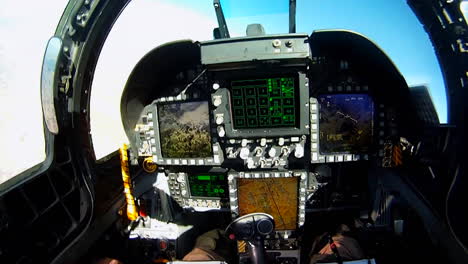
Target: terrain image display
column 274, row 196
column 185, row 130
column 346, row 123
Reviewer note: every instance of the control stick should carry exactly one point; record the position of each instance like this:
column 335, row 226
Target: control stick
column 252, row 228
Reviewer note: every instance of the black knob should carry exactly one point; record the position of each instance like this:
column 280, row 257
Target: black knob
column 265, row 226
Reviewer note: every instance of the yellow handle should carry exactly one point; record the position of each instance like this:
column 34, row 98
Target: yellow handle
column 132, row 211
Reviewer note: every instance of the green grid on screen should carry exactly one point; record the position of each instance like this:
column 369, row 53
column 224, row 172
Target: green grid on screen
column 263, row 103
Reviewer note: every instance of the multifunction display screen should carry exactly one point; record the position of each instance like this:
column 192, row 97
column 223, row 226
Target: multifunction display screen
column 275, row 196
column 208, row 185
column 184, row 130
column 346, row 123
column 265, row 103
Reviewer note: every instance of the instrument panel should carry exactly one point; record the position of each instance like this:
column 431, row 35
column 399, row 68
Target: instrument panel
column 252, row 135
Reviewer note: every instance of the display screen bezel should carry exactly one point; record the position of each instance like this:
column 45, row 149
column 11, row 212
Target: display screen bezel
column 347, row 151
column 153, row 109
column 162, row 104
column 224, row 108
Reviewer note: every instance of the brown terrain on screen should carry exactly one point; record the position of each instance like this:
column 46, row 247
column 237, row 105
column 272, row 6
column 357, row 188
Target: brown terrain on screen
column 275, row 196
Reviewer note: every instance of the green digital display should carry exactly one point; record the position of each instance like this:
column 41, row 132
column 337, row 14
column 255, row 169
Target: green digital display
column 264, row 103
column 208, row 185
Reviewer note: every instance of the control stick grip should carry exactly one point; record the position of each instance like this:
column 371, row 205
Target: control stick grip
column 256, row 251
column 252, row 228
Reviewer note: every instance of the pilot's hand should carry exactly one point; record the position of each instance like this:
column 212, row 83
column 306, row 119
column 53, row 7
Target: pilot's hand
column 198, row 254
column 108, row 261
column 212, row 245
column 347, row 247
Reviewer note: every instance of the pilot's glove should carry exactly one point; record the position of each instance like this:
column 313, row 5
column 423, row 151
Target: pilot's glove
column 348, row 249
column 341, row 246
column 107, row 261
column 212, row 245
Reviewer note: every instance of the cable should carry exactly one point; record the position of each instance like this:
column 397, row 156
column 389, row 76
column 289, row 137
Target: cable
column 192, row 82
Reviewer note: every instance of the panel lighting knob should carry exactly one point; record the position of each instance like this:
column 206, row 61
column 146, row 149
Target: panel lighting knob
column 217, row 101
column 221, row 131
column 272, row 152
column 181, row 178
column 299, row 151
column 219, row 119
column 244, row 142
column 244, row 153
column 281, row 141
column 251, row 164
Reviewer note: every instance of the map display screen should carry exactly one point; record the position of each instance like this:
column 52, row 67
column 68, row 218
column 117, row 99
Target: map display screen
column 265, row 103
column 208, row 185
column 184, row 130
column 346, row 123
column 274, row 196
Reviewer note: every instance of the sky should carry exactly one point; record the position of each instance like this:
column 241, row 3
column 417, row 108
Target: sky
column 390, row 24
column 25, row 32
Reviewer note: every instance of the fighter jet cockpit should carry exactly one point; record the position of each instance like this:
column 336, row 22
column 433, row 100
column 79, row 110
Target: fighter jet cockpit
column 273, row 147
column 269, row 139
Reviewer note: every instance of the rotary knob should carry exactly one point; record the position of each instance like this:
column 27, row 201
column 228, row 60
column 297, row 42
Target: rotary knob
column 251, row 164
column 272, row 152
column 299, row 151
column 219, row 119
column 221, row 131
column 217, row 101
column 244, row 153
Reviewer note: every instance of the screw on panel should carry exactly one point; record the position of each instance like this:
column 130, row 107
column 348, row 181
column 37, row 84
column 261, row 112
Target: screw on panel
column 276, row 43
